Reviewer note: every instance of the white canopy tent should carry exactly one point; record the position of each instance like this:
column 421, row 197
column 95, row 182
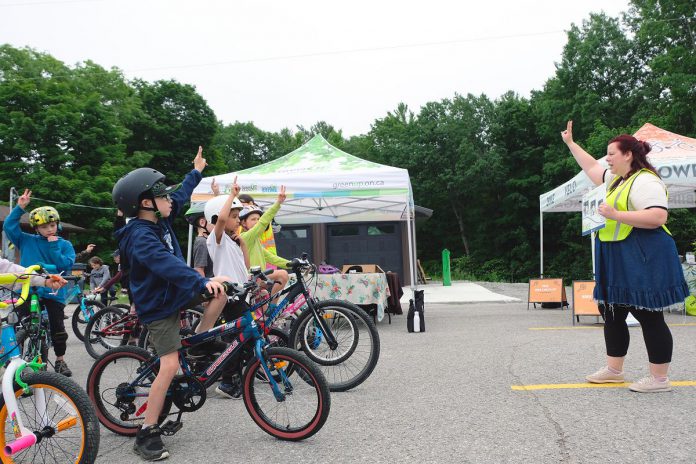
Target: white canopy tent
column 325, row 185
column 674, row 157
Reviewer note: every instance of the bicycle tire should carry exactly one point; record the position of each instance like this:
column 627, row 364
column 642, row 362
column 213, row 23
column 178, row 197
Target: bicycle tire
column 101, row 389
column 78, row 319
column 77, row 443
column 309, row 391
column 352, row 370
column 95, row 343
column 192, row 319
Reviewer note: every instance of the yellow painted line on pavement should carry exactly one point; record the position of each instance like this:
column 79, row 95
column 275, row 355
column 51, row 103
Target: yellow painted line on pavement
column 600, row 326
column 566, row 386
column 567, row 328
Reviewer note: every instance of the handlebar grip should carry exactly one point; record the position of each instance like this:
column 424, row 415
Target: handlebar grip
column 72, row 278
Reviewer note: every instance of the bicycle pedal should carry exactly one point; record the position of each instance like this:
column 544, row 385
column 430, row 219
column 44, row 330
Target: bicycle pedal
column 170, row 427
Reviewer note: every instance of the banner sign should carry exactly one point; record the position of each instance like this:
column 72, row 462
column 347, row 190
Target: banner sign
column 583, row 302
column 546, row 291
column 591, row 219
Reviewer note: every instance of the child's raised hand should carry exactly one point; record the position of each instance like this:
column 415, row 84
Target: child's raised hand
column 214, row 187
column 199, row 162
column 24, row 200
column 235, row 188
column 282, row 196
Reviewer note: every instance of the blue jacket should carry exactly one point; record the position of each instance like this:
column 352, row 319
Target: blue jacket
column 160, row 281
column 35, row 249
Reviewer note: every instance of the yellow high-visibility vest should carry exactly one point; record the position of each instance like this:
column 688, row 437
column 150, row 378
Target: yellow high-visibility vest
column 617, row 196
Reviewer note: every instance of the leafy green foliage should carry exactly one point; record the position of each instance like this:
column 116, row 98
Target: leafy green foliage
column 480, row 164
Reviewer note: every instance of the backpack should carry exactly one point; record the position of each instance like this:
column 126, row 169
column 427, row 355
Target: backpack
column 415, row 320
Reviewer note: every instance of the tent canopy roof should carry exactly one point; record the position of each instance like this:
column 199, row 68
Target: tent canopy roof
column 673, row 155
column 324, row 184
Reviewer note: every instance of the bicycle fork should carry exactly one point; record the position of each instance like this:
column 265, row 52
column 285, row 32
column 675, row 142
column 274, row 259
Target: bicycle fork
column 263, row 359
column 24, row 438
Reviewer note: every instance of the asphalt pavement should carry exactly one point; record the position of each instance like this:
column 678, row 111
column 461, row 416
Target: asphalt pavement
column 446, row 396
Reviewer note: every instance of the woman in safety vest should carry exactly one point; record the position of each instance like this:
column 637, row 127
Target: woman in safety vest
column 637, row 265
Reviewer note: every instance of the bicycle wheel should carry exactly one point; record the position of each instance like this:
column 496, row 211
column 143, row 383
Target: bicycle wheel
column 120, row 404
column 80, row 320
column 68, row 422
column 307, row 402
column 278, row 337
column 189, row 321
column 108, row 328
column 356, row 355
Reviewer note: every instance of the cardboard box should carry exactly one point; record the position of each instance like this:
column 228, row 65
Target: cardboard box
column 367, row 268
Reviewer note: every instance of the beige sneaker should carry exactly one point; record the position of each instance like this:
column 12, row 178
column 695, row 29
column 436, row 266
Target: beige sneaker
column 604, row 375
column 650, row 385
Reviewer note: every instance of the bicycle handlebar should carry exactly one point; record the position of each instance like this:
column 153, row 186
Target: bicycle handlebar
column 24, row 279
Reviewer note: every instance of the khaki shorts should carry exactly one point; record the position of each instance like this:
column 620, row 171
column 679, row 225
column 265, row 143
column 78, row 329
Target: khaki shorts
column 164, row 334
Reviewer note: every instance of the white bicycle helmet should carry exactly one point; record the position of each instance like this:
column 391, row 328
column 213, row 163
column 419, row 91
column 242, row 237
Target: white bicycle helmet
column 214, row 205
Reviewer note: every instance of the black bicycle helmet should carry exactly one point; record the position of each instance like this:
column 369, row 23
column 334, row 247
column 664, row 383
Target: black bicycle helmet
column 129, row 189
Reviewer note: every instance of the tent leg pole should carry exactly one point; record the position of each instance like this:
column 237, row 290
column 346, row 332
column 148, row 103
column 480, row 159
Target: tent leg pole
column 541, row 244
column 190, row 245
column 414, row 263
column 410, row 250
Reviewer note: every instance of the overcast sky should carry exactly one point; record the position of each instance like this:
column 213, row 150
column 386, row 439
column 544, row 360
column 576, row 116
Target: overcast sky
column 287, row 63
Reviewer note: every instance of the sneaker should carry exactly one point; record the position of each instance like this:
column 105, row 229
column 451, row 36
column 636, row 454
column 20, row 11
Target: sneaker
column 207, row 348
column 61, row 367
column 604, row 375
column 148, row 444
column 650, row 385
column 230, row 390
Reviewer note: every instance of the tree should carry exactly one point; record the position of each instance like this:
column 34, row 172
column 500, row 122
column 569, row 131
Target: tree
column 176, row 120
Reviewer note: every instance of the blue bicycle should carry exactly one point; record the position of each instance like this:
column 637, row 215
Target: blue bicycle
column 283, row 391
column 87, row 306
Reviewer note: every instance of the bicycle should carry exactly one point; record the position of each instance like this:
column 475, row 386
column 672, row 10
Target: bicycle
column 44, row 416
column 112, row 327
column 337, row 335
column 283, row 391
column 86, row 306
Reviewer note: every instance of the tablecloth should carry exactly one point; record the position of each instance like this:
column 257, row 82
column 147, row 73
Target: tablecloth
column 360, row 289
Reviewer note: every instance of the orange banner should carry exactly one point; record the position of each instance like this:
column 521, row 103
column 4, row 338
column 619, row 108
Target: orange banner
column 583, row 303
column 546, row 291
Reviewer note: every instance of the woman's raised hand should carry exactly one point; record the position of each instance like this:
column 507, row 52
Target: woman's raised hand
column 567, row 135
column 282, row 196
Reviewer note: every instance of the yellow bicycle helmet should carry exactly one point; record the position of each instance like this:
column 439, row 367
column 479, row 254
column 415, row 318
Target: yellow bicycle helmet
column 43, row 215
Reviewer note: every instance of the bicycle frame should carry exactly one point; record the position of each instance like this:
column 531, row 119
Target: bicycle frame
column 246, row 330
column 293, row 304
column 24, row 437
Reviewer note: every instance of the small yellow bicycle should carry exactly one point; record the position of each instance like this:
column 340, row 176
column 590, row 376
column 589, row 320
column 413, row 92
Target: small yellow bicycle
column 44, row 416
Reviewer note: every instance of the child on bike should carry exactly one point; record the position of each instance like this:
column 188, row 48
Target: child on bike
column 45, row 247
column 200, row 258
column 160, row 281
column 230, row 258
column 267, row 237
column 254, row 222
column 99, row 276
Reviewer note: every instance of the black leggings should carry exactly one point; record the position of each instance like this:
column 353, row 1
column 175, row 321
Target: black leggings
column 658, row 338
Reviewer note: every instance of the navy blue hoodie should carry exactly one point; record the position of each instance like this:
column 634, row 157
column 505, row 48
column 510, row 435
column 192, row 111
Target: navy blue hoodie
column 160, row 281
